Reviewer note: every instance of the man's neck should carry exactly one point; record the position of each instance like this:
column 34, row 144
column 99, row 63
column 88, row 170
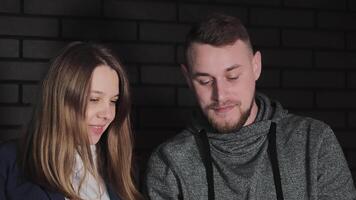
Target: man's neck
column 253, row 114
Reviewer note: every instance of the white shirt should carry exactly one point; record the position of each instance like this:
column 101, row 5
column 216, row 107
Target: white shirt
column 91, row 189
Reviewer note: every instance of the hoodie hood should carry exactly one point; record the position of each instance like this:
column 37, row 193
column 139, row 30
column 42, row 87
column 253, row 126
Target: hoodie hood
column 269, row 109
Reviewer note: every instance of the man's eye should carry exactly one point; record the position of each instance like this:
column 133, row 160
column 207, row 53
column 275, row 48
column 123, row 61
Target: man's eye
column 232, row 77
column 204, row 81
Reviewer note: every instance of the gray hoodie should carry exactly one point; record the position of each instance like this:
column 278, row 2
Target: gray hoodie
column 311, row 162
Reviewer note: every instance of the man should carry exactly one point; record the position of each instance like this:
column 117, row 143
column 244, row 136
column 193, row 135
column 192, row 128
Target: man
column 242, row 145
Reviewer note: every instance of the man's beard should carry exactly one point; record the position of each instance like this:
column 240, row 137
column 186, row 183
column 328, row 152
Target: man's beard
column 226, row 127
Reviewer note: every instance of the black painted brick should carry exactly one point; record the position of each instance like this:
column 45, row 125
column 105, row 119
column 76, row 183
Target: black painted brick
column 351, row 80
column 193, row 13
column 180, row 54
column 337, row 20
column 162, row 75
column 312, row 79
column 287, row 58
column 22, row 71
column 9, row 93
column 10, row 6
column 14, row 115
column 152, row 138
column 163, row 32
column 160, row 96
column 132, row 72
column 352, row 5
column 336, row 99
column 162, row 11
column 10, row 134
column 281, row 18
column 346, row 138
column 351, row 40
column 99, row 29
column 335, row 119
column 41, row 48
column 252, row 2
column 63, row 7
column 336, row 60
column 9, row 48
column 186, row 97
column 330, row 4
column 351, row 159
column 164, row 117
column 145, row 52
column 30, row 93
column 291, row 98
column 28, row 26
column 269, row 78
column 313, row 39
column 264, row 37
column 352, row 119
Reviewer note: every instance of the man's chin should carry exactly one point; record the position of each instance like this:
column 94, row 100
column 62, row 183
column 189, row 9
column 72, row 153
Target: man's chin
column 223, row 125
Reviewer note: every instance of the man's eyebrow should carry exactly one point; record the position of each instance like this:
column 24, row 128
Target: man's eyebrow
column 200, row 74
column 232, row 67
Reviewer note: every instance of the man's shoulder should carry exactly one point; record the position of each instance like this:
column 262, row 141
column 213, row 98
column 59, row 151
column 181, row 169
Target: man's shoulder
column 177, row 149
column 183, row 141
column 299, row 121
column 304, row 126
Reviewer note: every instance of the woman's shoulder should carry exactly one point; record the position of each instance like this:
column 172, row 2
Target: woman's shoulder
column 8, row 164
column 14, row 184
column 8, row 152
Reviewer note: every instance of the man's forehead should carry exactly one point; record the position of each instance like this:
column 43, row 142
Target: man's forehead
column 195, row 46
column 207, row 51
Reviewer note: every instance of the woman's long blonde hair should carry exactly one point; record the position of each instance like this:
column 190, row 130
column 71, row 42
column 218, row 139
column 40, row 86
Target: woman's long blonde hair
column 58, row 128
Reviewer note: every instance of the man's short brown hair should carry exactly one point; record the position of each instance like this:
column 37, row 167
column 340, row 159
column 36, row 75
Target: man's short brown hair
column 216, row 30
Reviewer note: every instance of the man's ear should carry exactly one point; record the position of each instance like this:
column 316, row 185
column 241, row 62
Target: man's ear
column 185, row 71
column 257, row 65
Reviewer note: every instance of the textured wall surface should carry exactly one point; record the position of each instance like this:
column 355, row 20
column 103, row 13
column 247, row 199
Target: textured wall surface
column 308, row 53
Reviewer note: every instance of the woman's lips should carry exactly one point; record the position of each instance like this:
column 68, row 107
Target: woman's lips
column 97, row 129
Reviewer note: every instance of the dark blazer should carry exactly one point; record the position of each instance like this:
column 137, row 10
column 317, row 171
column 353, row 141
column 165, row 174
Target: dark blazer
column 13, row 186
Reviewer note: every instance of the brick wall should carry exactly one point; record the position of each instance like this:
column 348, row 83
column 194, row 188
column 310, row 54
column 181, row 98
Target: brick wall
column 308, row 49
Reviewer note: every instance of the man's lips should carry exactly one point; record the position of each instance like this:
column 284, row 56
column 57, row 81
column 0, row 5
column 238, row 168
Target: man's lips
column 223, row 109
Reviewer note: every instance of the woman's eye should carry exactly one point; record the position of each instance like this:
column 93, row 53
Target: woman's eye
column 94, row 100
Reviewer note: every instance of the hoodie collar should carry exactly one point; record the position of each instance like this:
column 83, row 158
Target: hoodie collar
column 248, row 137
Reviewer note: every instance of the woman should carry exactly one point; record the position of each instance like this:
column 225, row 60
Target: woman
column 79, row 143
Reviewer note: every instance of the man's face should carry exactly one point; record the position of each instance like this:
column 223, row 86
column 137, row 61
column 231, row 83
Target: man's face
column 223, row 79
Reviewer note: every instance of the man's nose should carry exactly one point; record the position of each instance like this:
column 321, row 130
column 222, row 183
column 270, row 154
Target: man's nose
column 219, row 91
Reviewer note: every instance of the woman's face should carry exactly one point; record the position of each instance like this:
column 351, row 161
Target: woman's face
column 104, row 92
